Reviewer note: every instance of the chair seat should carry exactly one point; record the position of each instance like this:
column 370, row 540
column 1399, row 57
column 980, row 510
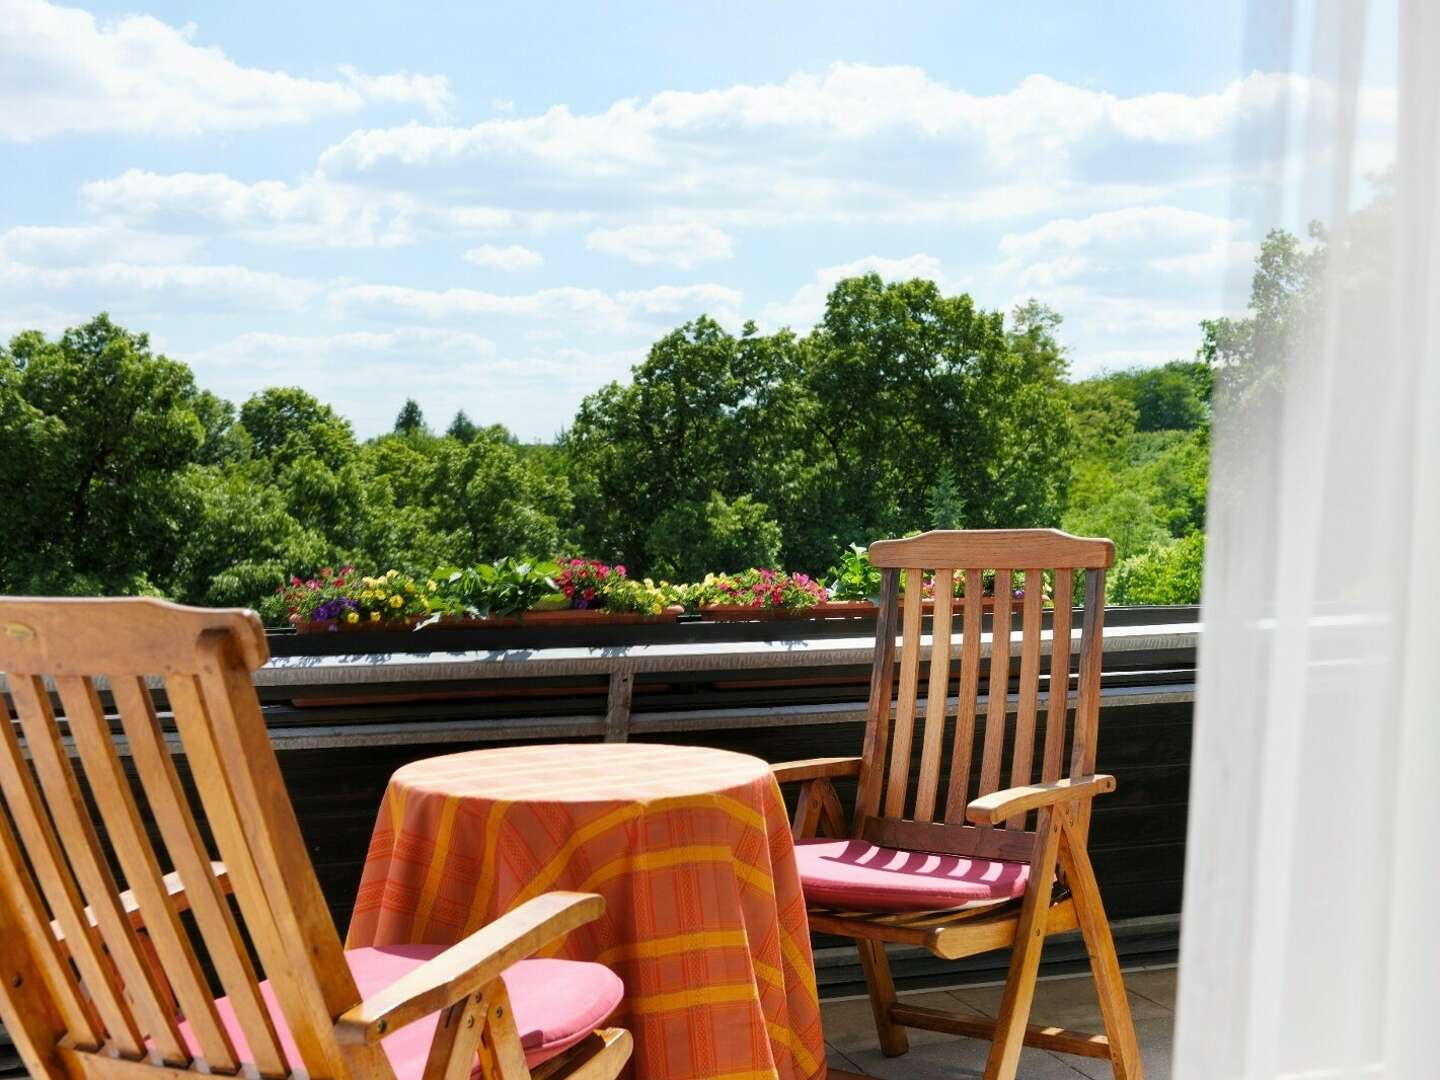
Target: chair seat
column 852, row 875
column 556, row 1004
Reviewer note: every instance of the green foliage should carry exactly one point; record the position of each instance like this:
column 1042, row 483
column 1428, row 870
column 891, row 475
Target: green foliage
column 506, row 586
column 462, row 428
column 854, row 577
column 95, row 434
column 841, row 436
column 411, row 421
column 944, row 507
column 903, row 409
column 690, row 538
column 1163, row 574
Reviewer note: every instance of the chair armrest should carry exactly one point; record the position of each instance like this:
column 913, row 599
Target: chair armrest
column 815, row 768
column 469, row 965
column 174, row 888
column 1010, row 802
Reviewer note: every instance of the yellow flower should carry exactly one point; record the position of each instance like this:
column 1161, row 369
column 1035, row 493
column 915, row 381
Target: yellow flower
column 410, row 586
column 374, row 616
column 397, row 600
column 430, row 586
column 352, row 616
column 392, row 573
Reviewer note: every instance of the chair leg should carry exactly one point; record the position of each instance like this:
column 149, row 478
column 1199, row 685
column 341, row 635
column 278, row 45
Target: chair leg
column 1104, row 964
column 1009, row 1038
column 893, row 1040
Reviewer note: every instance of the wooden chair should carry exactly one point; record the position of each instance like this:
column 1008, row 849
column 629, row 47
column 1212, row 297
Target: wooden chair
column 116, row 987
column 923, row 864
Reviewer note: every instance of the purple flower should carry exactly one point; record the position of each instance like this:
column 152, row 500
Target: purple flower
column 333, row 609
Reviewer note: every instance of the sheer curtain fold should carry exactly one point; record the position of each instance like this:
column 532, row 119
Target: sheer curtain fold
column 1310, row 944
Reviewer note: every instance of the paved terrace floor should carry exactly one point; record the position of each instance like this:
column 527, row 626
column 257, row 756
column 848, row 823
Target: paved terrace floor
column 1068, row 1001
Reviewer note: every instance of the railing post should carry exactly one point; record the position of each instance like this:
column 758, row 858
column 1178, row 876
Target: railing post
column 617, row 705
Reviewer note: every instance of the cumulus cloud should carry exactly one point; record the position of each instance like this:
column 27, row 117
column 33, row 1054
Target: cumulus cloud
column 678, row 245
column 66, row 71
column 855, row 141
column 509, row 258
column 152, row 288
column 55, row 246
column 1130, row 244
column 626, row 311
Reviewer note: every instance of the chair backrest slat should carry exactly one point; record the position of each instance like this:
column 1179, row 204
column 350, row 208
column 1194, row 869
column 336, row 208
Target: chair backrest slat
column 936, row 695
column 904, row 728
column 203, row 659
column 121, row 817
column 53, row 874
column 27, row 919
column 1019, row 560
column 181, row 835
column 998, row 692
column 1058, row 704
column 1087, row 702
column 882, row 685
column 958, row 794
column 1022, row 759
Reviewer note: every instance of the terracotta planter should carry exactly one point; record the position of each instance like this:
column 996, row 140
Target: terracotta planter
column 829, row 609
column 337, row 626
column 751, row 613
column 565, row 617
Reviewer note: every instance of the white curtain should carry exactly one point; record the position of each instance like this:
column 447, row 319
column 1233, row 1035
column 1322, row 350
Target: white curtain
column 1311, row 932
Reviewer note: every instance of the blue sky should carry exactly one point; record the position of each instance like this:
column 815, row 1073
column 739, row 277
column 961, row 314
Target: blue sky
column 498, row 210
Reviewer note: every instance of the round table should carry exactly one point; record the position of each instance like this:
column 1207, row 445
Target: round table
column 704, row 918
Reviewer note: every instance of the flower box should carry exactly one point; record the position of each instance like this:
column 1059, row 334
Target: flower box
column 565, row 617
column 753, row 612
column 339, row 626
column 829, row 609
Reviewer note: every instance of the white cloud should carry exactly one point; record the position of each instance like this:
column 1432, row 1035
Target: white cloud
column 311, row 213
column 852, row 143
column 511, row 258
column 1125, row 244
column 65, row 71
column 679, row 245
column 578, row 310
column 54, row 246
column 430, row 92
column 152, row 289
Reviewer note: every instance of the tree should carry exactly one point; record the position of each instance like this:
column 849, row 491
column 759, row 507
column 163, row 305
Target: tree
column 462, row 428
column 286, row 423
column 690, row 539
column 1162, row 574
column 96, row 431
column 908, row 379
column 486, row 500
column 945, row 508
column 704, row 413
column 411, row 420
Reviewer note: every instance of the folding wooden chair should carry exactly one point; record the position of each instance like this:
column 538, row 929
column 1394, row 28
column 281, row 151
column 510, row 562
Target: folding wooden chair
column 930, row 865
column 118, row 985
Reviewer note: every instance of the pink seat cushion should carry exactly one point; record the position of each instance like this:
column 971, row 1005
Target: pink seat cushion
column 855, row 876
column 556, row 1003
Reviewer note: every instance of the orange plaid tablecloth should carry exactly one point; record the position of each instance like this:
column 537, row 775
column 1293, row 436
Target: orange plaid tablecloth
column 704, row 917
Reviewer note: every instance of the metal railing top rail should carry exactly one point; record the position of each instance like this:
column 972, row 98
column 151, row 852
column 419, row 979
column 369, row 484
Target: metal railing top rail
column 353, row 669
